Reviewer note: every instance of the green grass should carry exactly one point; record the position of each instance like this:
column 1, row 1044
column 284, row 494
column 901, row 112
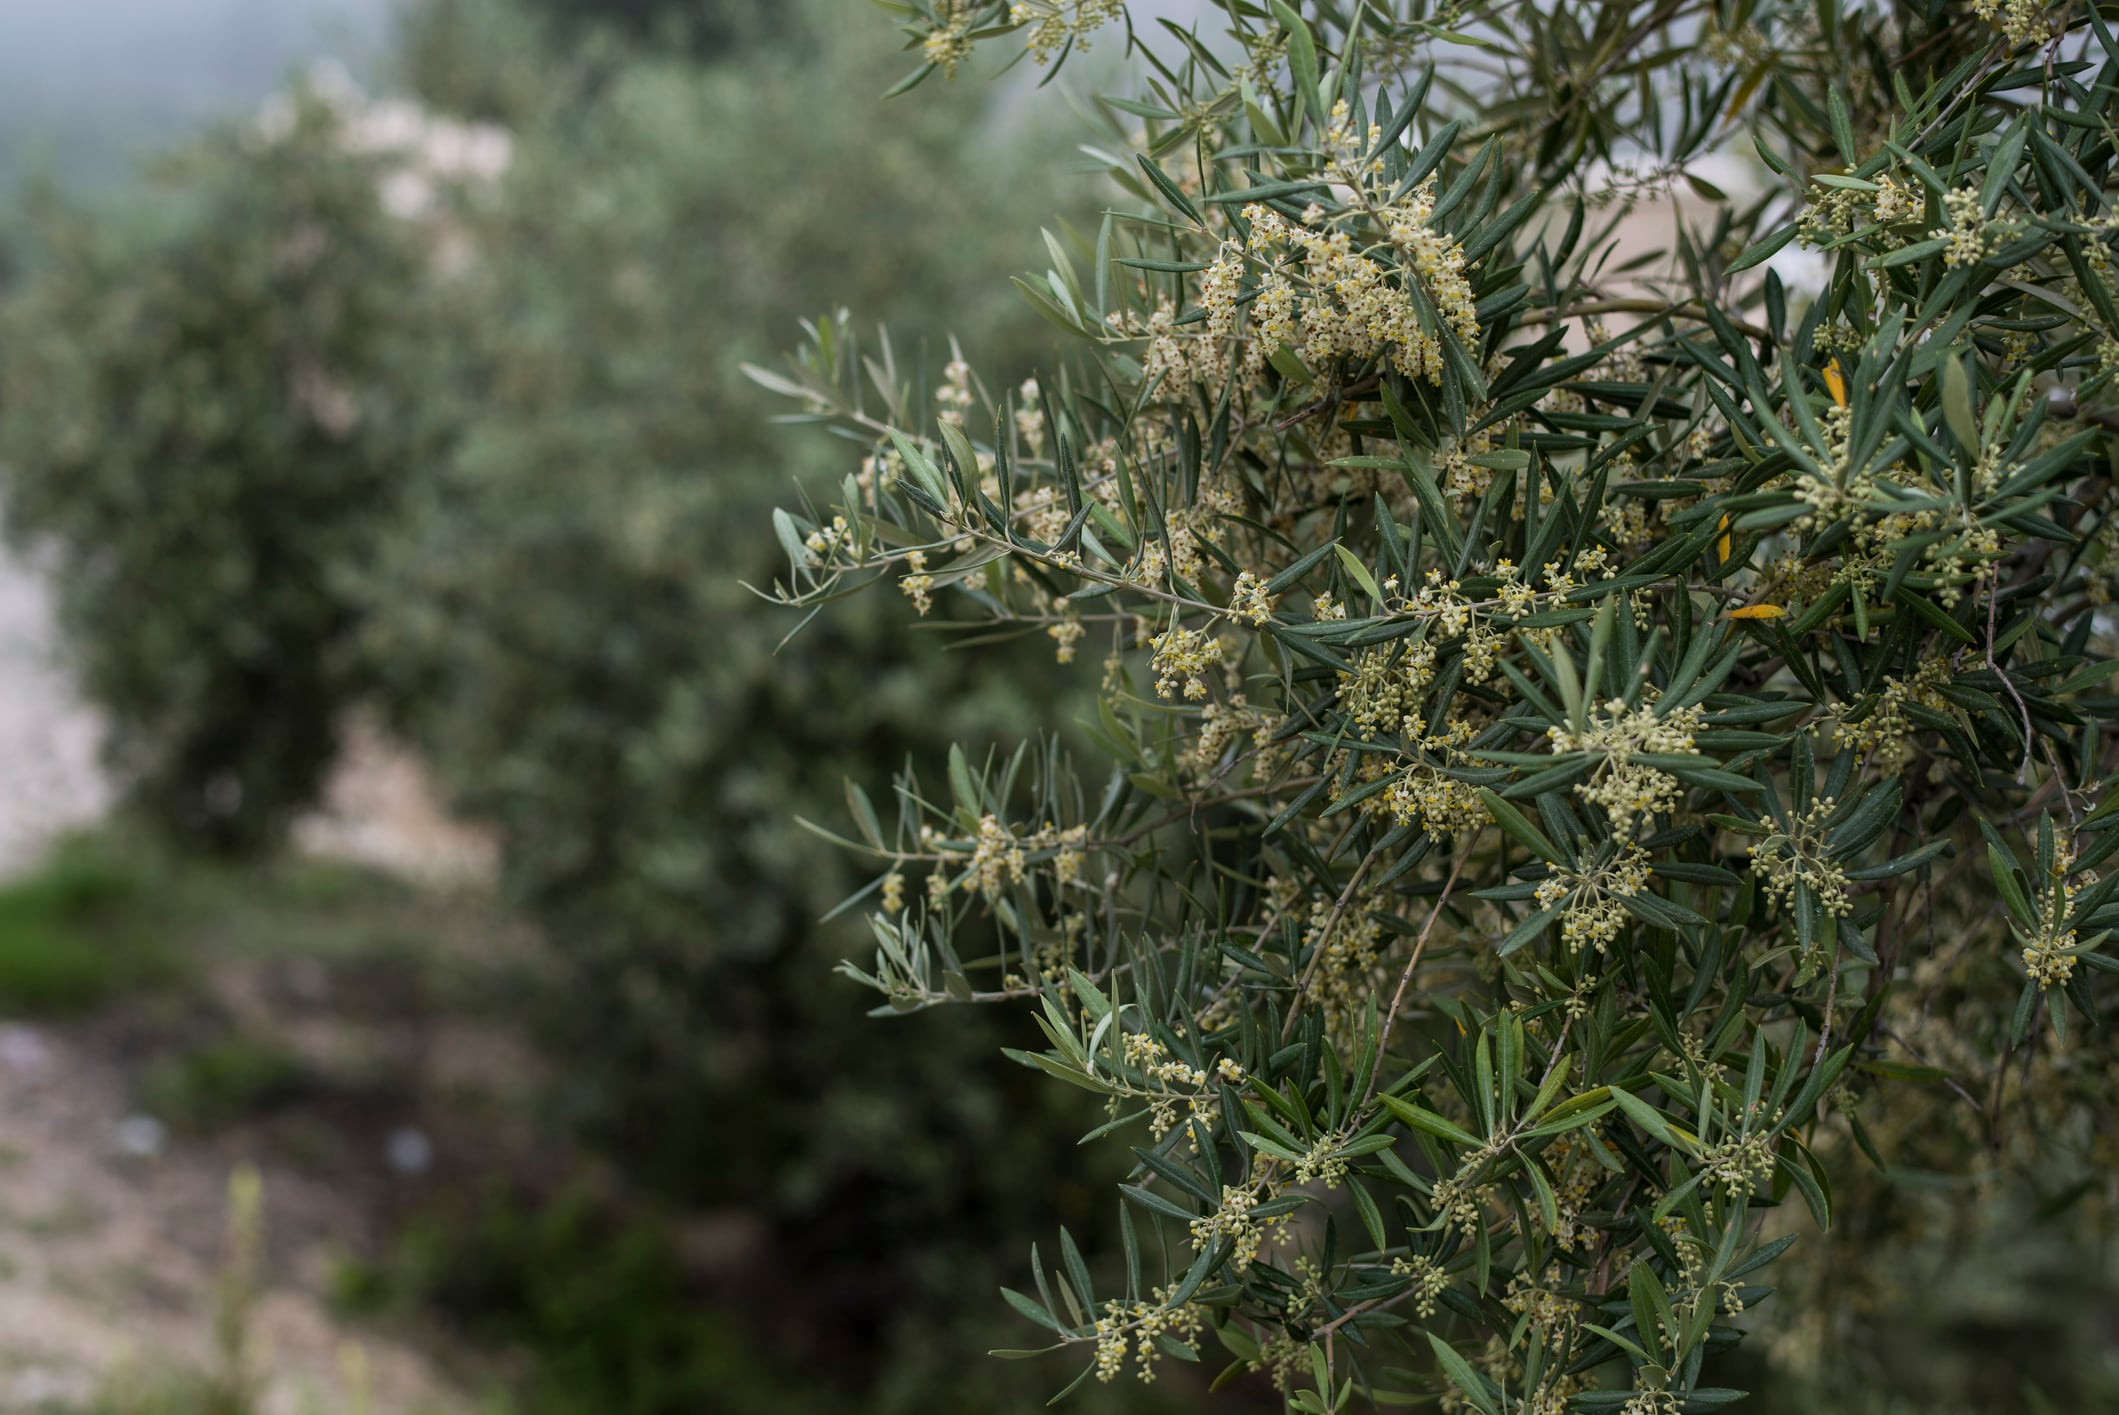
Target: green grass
column 84, row 928
column 110, row 914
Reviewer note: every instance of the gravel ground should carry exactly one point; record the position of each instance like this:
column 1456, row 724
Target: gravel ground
column 112, row 1245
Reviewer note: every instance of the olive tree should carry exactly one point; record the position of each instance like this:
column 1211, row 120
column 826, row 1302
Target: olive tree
column 1581, row 723
column 205, row 418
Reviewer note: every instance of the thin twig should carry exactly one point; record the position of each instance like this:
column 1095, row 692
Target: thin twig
column 2023, row 772
column 1824, row 1032
column 1309, row 974
column 1405, row 975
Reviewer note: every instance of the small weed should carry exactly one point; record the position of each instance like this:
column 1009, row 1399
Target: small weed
column 230, row 1384
column 162, row 1392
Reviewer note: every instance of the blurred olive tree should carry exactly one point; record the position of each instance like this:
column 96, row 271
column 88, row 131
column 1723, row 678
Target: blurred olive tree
column 706, row 26
column 338, row 433
column 367, row 424
column 566, row 623
column 206, row 422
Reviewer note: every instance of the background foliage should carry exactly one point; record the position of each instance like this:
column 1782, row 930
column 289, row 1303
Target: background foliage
column 591, row 679
column 209, row 420
column 543, row 592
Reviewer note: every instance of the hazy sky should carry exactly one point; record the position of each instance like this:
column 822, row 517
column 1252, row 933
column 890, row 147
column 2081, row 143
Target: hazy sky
column 84, row 82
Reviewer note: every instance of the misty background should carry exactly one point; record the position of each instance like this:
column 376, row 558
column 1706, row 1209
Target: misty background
column 85, row 84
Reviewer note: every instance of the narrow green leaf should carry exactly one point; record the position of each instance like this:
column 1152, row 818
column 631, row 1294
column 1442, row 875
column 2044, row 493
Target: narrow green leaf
column 1518, row 827
column 1302, row 60
column 1427, row 1120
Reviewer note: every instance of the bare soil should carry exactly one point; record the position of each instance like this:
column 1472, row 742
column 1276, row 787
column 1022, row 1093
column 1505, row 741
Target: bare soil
column 113, row 1243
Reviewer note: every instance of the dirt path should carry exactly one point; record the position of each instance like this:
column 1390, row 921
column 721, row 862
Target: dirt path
column 113, row 1242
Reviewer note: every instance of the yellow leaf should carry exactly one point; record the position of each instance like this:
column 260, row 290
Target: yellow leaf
column 1756, row 611
column 1721, row 547
column 1743, row 93
column 1836, row 383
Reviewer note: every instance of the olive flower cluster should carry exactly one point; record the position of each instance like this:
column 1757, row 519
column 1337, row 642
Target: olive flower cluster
column 1140, row 1324
column 1629, row 792
column 1799, row 857
column 1593, row 913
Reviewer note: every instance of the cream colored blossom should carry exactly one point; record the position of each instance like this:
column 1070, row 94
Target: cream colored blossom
column 1627, row 791
column 917, row 584
column 1800, row 856
column 1183, row 658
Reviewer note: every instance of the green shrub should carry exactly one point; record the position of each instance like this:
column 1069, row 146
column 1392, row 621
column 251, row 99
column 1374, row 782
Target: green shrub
column 598, row 1300
column 1571, row 799
column 230, row 1079
column 205, row 420
column 84, row 928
